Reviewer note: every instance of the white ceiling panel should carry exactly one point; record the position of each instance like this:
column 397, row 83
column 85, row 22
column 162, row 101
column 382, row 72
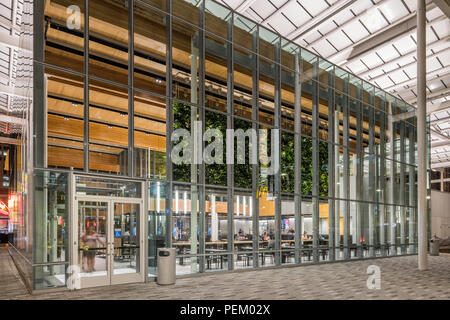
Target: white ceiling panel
column 263, row 7
column 340, row 40
column 372, row 60
column 405, row 45
column 356, row 31
column 343, row 16
column 314, row 7
column 398, row 76
column 394, row 10
column 387, row 53
column 373, row 20
column 357, row 67
column 325, row 47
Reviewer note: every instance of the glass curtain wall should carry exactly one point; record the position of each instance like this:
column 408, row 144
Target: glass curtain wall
column 127, row 84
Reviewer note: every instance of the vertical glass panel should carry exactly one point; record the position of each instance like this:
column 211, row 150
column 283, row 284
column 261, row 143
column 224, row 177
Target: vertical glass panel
column 307, row 165
column 368, row 93
column 216, row 233
column 46, row 277
column 324, row 71
column 287, row 162
column 287, row 229
column 149, row 136
column 185, row 228
column 308, row 60
column 288, row 51
column 307, row 229
column 186, row 62
column 216, row 69
column 216, row 17
column 242, row 167
column 243, row 31
column 266, row 91
column 243, row 230
column 157, row 233
column 149, row 49
column 187, row 10
column 268, row 43
column 380, row 99
column 243, row 82
column 64, row 34
column 324, row 225
column 340, row 79
column 93, row 238
column 108, row 40
column 65, row 119
column 51, row 218
column 215, row 148
column 126, row 254
column 183, row 118
column 108, row 128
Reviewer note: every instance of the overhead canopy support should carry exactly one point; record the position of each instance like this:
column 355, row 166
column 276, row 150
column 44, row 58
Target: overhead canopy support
column 444, row 6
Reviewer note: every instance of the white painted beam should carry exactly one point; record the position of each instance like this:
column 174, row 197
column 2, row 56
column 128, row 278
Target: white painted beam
column 245, row 5
column 408, row 55
column 433, row 75
column 438, row 108
column 444, row 6
column 440, row 165
column 325, row 15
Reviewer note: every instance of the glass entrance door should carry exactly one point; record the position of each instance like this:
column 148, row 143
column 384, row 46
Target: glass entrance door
column 109, row 242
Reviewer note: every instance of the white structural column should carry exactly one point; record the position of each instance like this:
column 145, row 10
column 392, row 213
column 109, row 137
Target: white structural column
column 421, row 135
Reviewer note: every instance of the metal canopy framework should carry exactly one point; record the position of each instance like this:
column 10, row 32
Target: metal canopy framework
column 375, row 39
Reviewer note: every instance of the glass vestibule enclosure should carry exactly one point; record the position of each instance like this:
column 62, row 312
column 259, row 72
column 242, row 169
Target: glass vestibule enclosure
column 108, row 232
column 117, row 86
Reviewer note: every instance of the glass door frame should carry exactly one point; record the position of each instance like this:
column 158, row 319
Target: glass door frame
column 110, row 278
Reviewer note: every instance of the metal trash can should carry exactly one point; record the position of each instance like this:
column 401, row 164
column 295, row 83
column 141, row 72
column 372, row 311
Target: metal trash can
column 434, row 246
column 166, row 266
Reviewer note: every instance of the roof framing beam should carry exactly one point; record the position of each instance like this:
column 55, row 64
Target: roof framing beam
column 440, row 165
column 444, row 106
column 434, row 55
column 408, row 55
column 444, row 6
column 386, row 34
column 433, row 75
column 438, row 121
column 325, row 15
column 245, row 5
column 342, row 26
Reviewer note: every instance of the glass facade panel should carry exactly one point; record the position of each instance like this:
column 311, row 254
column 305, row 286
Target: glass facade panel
column 159, row 98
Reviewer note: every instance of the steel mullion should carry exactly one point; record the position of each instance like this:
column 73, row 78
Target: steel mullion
column 230, row 125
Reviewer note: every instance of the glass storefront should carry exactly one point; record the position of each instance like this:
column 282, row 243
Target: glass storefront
column 124, row 83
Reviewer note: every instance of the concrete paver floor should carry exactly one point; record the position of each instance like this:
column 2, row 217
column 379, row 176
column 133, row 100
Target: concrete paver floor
column 400, row 279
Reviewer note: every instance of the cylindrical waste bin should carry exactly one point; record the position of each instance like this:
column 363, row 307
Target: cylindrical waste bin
column 434, row 246
column 166, row 266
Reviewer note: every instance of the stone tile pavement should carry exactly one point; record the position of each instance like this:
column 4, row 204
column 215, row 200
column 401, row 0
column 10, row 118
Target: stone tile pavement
column 11, row 284
column 400, row 279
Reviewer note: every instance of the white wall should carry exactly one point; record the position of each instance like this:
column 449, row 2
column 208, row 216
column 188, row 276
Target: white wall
column 440, row 214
